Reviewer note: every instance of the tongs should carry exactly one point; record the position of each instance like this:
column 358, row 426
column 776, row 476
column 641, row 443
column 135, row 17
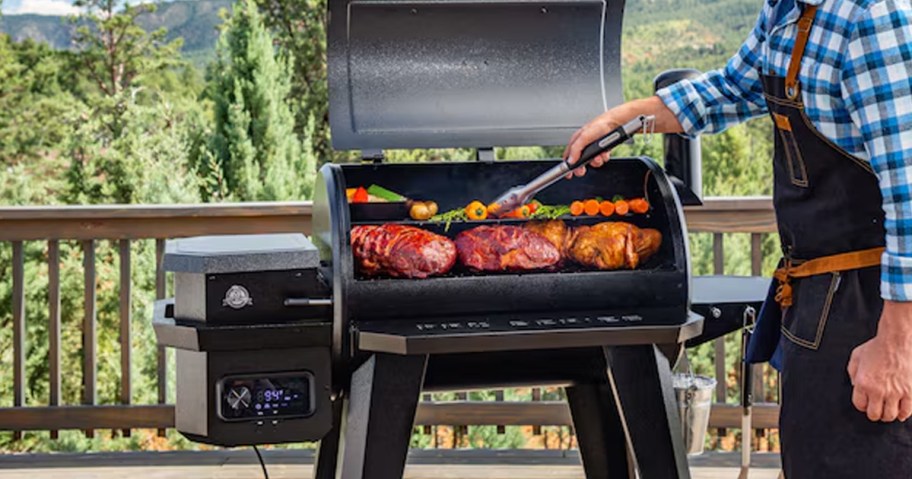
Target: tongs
column 520, row 195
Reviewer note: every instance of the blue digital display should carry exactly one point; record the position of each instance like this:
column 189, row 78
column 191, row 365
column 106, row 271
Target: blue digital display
column 274, row 396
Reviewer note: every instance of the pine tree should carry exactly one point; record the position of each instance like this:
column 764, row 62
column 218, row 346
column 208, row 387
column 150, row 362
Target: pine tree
column 254, row 146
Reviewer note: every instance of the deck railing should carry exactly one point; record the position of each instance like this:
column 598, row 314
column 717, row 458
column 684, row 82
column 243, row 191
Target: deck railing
column 126, row 225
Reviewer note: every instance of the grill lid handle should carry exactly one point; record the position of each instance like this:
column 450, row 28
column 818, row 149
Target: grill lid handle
column 520, row 195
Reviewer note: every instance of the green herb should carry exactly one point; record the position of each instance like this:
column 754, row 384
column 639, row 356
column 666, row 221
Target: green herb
column 617, row 198
column 550, row 212
column 450, row 216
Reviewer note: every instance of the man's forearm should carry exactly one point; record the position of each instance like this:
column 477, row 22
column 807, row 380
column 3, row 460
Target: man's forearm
column 665, row 120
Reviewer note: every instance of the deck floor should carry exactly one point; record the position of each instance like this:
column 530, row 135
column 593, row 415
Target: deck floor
column 241, row 464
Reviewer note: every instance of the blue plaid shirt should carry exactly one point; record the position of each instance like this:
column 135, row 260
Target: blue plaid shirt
column 856, row 80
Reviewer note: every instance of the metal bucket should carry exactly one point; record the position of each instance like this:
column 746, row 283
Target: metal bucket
column 694, row 395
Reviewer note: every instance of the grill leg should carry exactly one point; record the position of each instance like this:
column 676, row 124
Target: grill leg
column 599, row 431
column 641, row 380
column 328, row 451
column 381, row 412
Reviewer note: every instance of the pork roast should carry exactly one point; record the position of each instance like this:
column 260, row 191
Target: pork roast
column 401, row 251
column 505, row 248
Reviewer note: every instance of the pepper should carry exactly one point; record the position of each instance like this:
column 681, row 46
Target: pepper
column 519, row 213
column 476, row 211
column 360, row 196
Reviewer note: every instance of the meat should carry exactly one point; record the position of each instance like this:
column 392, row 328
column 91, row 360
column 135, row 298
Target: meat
column 613, row 245
column 555, row 231
column 401, row 251
column 505, row 248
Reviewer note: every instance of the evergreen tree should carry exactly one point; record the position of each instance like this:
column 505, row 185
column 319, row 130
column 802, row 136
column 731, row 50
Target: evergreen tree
column 254, row 146
column 299, row 27
column 114, row 50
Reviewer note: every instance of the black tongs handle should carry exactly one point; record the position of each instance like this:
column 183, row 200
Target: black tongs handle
column 611, row 140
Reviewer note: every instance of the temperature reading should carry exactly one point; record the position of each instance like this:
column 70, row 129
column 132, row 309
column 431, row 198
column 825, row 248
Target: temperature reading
column 274, row 394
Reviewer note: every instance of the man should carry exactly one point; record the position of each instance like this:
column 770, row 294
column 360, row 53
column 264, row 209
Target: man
column 835, row 77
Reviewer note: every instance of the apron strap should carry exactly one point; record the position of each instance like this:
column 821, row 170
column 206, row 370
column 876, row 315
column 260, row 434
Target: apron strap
column 804, row 31
column 827, row 264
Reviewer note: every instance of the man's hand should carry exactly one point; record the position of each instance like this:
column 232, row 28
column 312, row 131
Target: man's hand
column 881, row 369
column 665, row 122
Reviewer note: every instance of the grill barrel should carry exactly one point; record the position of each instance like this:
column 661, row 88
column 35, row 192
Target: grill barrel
column 657, row 292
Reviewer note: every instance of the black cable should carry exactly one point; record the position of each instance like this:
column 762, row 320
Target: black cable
column 262, row 463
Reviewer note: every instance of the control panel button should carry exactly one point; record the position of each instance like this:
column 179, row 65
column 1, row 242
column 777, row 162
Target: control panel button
column 239, row 398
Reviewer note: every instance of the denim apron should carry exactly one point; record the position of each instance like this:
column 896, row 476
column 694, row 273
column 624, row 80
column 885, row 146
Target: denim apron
column 827, row 203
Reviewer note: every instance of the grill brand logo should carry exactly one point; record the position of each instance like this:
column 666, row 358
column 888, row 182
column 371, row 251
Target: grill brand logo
column 237, row 297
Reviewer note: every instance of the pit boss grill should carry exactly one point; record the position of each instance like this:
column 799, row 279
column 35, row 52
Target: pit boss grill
column 332, row 338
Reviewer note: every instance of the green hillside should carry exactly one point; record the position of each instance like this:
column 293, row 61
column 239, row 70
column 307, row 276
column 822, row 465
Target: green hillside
column 194, row 21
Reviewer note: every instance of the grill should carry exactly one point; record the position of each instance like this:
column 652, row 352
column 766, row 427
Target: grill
column 282, row 339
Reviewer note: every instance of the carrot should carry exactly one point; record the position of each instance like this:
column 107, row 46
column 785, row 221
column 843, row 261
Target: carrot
column 621, row 207
column 577, row 208
column 639, row 205
column 591, row 207
column 519, row 213
column 606, row 208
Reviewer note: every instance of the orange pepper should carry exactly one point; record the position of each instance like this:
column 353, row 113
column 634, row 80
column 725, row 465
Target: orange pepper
column 606, row 208
column 476, row 211
column 621, row 207
column 639, row 205
column 577, row 208
column 519, row 213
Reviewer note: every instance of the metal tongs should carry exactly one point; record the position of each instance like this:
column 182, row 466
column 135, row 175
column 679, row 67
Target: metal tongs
column 520, row 195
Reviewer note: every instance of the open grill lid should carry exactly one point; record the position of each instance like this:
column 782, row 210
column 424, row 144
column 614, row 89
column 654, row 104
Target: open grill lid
column 469, row 73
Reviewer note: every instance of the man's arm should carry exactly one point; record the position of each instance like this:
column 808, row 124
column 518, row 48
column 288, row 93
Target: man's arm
column 709, row 103
column 877, row 91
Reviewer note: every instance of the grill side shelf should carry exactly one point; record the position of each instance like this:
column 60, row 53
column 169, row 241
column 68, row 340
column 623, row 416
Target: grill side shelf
column 489, row 335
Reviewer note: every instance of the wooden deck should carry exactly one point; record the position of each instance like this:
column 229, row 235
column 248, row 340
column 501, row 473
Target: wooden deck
column 285, row 464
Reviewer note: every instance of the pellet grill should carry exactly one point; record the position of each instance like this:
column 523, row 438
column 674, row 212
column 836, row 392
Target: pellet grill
column 280, row 339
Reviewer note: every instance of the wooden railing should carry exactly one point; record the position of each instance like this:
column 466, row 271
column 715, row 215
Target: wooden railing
column 125, row 225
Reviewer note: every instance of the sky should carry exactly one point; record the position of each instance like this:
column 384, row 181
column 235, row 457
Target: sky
column 42, row 7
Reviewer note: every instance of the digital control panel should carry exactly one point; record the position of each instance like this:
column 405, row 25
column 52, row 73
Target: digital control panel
column 266, row 396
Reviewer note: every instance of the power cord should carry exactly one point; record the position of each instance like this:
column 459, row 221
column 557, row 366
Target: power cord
column 262, row 463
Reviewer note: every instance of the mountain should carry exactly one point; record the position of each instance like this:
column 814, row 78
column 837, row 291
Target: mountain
column 194, row 21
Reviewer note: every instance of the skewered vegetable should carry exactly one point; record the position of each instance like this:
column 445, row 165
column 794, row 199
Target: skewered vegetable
column 606, row 208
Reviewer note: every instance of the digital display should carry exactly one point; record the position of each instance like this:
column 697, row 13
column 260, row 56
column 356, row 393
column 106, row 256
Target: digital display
column 268, row 396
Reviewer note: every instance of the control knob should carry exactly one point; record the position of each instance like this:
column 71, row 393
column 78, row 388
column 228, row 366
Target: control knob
column 239, row 398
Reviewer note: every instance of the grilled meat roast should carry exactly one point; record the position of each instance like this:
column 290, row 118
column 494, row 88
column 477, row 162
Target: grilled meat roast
column 505, row 248
column 401, row 251
column 555, row 231
column 613, row 245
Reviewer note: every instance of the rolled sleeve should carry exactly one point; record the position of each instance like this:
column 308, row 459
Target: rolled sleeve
column 877, row 90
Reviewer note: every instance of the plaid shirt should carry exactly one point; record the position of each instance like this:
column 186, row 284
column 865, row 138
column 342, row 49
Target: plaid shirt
column 856, row 81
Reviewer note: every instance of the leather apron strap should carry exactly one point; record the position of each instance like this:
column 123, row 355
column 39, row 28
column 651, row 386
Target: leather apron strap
column 804, row 31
